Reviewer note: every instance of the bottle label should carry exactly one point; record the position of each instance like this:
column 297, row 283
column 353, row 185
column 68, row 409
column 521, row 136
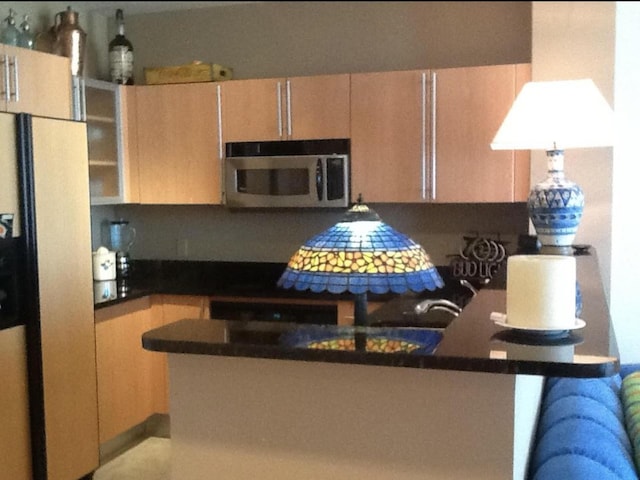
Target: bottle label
column 121, row 64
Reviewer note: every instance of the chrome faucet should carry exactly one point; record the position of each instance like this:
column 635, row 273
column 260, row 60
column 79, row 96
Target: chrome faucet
column 443, row 304
column 437, row 304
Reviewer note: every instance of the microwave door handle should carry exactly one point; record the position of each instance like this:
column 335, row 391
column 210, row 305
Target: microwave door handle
column 319, row 179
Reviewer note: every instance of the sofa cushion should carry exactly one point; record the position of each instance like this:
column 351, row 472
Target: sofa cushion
column 605, row 390
column 630, row 393
column 581, row 443
column 581, row 432
column 581, row 408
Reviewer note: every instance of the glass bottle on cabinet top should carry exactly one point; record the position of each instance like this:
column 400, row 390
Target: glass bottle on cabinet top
column 102, row 112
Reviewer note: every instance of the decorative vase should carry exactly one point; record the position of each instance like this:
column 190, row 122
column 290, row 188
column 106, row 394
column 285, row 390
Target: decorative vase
column 556, row 204
column 70, row 39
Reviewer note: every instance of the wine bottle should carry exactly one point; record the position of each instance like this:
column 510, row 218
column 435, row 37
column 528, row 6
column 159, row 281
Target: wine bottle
column 121, row 54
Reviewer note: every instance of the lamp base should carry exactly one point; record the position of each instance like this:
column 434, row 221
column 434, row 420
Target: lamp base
column 556, row 204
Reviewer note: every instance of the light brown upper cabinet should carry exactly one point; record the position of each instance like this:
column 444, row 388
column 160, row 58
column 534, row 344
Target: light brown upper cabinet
column 35, row 82
column 178, row 133
column 388, row 136
column 296, row 108
column 469, row 107
column 109, row 110
column 424, row 135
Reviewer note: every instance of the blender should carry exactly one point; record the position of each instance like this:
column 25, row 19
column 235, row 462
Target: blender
column 122, row 235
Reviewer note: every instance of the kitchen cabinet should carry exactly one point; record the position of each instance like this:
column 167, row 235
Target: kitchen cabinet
column 296, row 108
column 177, row 307
column 15, row 445
column 109, row 110
column 131, row 381
column 469, row 106
column 178, row 142
column 388, row 136
column 35, row 82
column 424, row 135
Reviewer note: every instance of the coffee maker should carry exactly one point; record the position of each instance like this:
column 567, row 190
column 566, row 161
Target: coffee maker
column 122, row 235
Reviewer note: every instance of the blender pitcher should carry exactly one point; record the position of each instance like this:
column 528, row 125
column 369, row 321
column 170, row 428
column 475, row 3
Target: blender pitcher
column 122, row 236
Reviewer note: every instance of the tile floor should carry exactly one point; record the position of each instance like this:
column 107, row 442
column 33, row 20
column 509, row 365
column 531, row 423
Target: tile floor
column 149, row 460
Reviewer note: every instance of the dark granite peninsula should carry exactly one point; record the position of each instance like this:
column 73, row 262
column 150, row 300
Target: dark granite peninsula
column 272, row 400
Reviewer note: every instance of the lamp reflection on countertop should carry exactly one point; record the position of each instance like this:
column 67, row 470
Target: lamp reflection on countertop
column 361, row 254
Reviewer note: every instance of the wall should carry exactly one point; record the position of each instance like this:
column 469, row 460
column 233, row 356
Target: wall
column 576, row 40
column 598, row 40
column 215, row 233
column 270, row 39
column 625, row 231
column 273, row 39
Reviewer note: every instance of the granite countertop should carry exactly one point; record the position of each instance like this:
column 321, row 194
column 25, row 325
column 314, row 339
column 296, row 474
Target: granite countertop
column 471, row 342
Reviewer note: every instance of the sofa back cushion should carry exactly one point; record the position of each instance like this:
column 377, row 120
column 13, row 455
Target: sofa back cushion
column 581, row 432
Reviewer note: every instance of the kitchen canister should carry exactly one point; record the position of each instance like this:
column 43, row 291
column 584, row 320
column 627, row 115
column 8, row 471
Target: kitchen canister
column 541, row 291
column 104, row 264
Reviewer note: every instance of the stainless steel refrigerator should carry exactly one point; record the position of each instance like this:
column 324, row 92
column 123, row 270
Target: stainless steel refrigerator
column 49, row 338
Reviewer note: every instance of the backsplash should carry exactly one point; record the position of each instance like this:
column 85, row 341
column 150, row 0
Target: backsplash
column 215, row 233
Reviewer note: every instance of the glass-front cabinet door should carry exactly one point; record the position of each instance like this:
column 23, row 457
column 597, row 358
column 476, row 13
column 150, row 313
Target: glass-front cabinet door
column 101, row 109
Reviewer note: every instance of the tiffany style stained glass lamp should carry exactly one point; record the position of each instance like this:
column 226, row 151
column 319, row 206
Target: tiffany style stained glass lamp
column 361, row 254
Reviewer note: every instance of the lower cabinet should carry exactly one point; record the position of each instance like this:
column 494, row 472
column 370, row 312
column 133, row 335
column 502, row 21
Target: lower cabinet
column 132, row 381
column 345, row 310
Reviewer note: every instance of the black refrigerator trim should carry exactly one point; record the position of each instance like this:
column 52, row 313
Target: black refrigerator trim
column 30, row 291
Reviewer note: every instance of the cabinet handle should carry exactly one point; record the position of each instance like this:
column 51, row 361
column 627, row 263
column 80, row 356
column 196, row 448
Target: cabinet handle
column 423, row 145
column 289, row 125
column 83, row 99
column 79, row 95
column 219, row 99
column 5, row 78
column 434, row 79
column 75, row 98
column 279, row 100
column 16, row 84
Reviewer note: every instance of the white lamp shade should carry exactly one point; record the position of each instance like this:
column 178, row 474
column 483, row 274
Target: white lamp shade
column 556, row 115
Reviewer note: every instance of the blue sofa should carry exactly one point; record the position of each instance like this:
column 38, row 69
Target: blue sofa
column 585, row 429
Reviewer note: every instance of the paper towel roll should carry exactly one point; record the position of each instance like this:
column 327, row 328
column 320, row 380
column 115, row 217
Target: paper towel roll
column 541, row 291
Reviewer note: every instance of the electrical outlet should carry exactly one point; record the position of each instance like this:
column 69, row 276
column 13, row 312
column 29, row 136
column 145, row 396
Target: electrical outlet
column 183, row 248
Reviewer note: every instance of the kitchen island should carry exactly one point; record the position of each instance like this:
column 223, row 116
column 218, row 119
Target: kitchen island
column 255, row 400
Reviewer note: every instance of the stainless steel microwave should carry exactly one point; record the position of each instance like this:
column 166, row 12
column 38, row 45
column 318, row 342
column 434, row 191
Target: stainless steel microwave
column 287, row 181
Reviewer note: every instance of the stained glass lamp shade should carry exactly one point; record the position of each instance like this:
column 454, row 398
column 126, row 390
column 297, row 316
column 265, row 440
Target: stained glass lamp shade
column 361, row 254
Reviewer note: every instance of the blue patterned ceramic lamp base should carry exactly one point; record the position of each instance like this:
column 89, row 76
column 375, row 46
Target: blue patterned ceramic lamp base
column 556, row 204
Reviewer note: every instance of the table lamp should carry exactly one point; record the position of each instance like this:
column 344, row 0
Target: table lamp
column 361, row 254
column 554, row 116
